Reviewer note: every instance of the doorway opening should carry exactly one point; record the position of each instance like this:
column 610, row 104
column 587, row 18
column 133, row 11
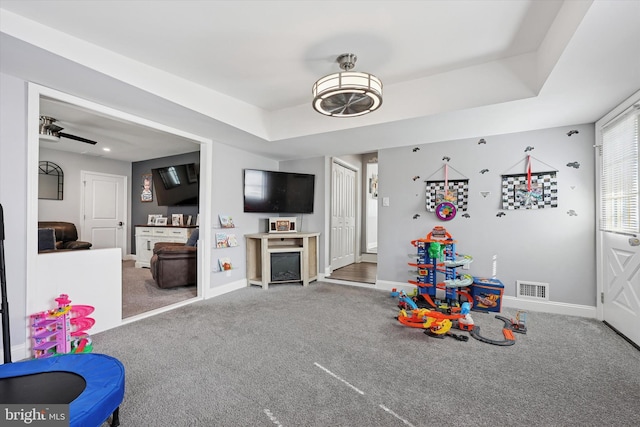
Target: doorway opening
column 354, row 218
column 77, row 157
column 371, row 208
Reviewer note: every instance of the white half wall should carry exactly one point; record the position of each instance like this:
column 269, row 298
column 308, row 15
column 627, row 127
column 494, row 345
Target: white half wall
column 89, row 277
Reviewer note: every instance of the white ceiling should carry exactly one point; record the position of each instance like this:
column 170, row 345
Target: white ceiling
column 116, row 139
column 451, row 69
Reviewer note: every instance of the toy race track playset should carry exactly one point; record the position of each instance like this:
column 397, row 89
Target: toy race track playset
column 443, row 298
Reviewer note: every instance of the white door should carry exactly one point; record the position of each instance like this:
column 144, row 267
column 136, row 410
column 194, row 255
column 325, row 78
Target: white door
column 617, row 160
column 104, row 210
column 621, row 284
column 343, row 216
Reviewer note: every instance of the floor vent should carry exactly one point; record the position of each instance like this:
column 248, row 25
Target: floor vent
column 532, row 290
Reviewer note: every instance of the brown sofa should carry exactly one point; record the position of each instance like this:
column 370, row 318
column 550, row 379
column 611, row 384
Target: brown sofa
column 65, row 237
column 174, row 264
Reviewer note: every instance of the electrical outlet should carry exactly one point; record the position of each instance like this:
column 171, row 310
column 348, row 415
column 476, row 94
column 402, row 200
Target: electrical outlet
column 385, row 201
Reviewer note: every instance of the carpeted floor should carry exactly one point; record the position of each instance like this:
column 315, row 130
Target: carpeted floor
column 334, row 355
column 141, row 294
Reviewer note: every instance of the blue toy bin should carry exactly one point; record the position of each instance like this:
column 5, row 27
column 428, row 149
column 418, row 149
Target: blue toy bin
column 487, row 294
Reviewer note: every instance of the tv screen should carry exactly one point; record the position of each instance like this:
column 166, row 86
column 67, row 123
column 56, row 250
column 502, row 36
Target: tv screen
column 176, row 185
column 278, row 192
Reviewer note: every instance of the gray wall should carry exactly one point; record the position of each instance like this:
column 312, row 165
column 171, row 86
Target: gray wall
column 314, row 222
column 227, row 188
column 141, row 210
column 69, row 209
column 547, row 245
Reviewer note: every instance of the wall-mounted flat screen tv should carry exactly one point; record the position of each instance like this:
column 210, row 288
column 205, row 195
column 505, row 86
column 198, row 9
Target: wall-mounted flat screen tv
column 278, row 192
column 176, row 185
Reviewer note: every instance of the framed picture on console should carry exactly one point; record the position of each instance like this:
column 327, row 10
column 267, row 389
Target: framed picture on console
column 282, row 225
column 151, row 219
column 161, row 221
column 177, row 220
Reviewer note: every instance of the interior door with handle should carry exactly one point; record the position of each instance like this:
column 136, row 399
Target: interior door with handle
column 104, row 210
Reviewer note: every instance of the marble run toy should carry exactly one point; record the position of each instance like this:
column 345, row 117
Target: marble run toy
column 62, row 330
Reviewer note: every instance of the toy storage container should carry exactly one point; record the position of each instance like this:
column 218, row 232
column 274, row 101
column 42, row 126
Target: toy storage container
column 487, row 294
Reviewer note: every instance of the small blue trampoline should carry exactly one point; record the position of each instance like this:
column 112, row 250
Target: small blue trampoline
column 92, row 385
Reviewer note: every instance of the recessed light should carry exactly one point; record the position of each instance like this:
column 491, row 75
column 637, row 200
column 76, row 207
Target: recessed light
column 106, row 149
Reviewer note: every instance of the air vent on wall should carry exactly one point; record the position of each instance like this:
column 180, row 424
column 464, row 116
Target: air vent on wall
column 532, row 290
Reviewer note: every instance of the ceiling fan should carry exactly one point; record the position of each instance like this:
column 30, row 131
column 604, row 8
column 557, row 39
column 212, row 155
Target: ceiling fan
column 48, row 128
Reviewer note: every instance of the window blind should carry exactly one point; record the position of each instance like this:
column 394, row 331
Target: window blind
column 619, row 181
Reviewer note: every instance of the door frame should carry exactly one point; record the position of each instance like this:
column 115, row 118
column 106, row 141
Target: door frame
column 358, row 205
column 125, row 206
column 600, row 255
column 34, row 93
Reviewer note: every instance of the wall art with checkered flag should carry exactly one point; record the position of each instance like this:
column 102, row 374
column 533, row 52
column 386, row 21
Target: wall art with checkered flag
column 530, row 191
column 453, row 191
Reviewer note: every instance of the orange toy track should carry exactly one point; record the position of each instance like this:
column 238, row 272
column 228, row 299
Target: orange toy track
column 422, row 285
column 434, row 322
column 414, row 321
column 414, row 264
column 428, row 299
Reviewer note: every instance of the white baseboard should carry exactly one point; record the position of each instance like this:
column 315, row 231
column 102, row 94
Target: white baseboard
column 152, row 313
column 367, row 257
column 226, row 288
column 389, row 286
column 349, row 283
column 18, row 352
column 507, row 301
column 550, row 307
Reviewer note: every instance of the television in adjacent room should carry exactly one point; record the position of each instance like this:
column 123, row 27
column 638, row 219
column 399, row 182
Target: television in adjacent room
column 176, row 185
column 278, row 192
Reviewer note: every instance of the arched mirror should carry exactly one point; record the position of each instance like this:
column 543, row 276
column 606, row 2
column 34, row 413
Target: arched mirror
column 50, row 181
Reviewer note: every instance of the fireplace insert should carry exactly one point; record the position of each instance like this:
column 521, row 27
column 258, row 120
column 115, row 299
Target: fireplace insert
column 285, row 267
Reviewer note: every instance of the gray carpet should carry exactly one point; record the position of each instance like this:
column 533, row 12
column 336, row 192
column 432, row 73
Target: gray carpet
column 141, row 294
column 333, row 355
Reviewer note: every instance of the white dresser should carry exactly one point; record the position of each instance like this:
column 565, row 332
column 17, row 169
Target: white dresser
column 148, row 236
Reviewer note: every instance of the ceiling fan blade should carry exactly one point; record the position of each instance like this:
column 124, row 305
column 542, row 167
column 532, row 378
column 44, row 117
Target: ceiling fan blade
column 76, row 138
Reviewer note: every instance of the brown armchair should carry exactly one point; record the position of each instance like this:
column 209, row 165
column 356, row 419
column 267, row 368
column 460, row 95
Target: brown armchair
column 65, row 236
column 174, row 264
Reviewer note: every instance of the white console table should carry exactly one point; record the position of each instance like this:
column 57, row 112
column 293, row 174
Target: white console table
column 260, row 246
column 147, row 236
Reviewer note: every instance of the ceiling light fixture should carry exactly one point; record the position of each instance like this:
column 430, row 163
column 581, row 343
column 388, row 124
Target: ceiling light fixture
column 348, row 93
